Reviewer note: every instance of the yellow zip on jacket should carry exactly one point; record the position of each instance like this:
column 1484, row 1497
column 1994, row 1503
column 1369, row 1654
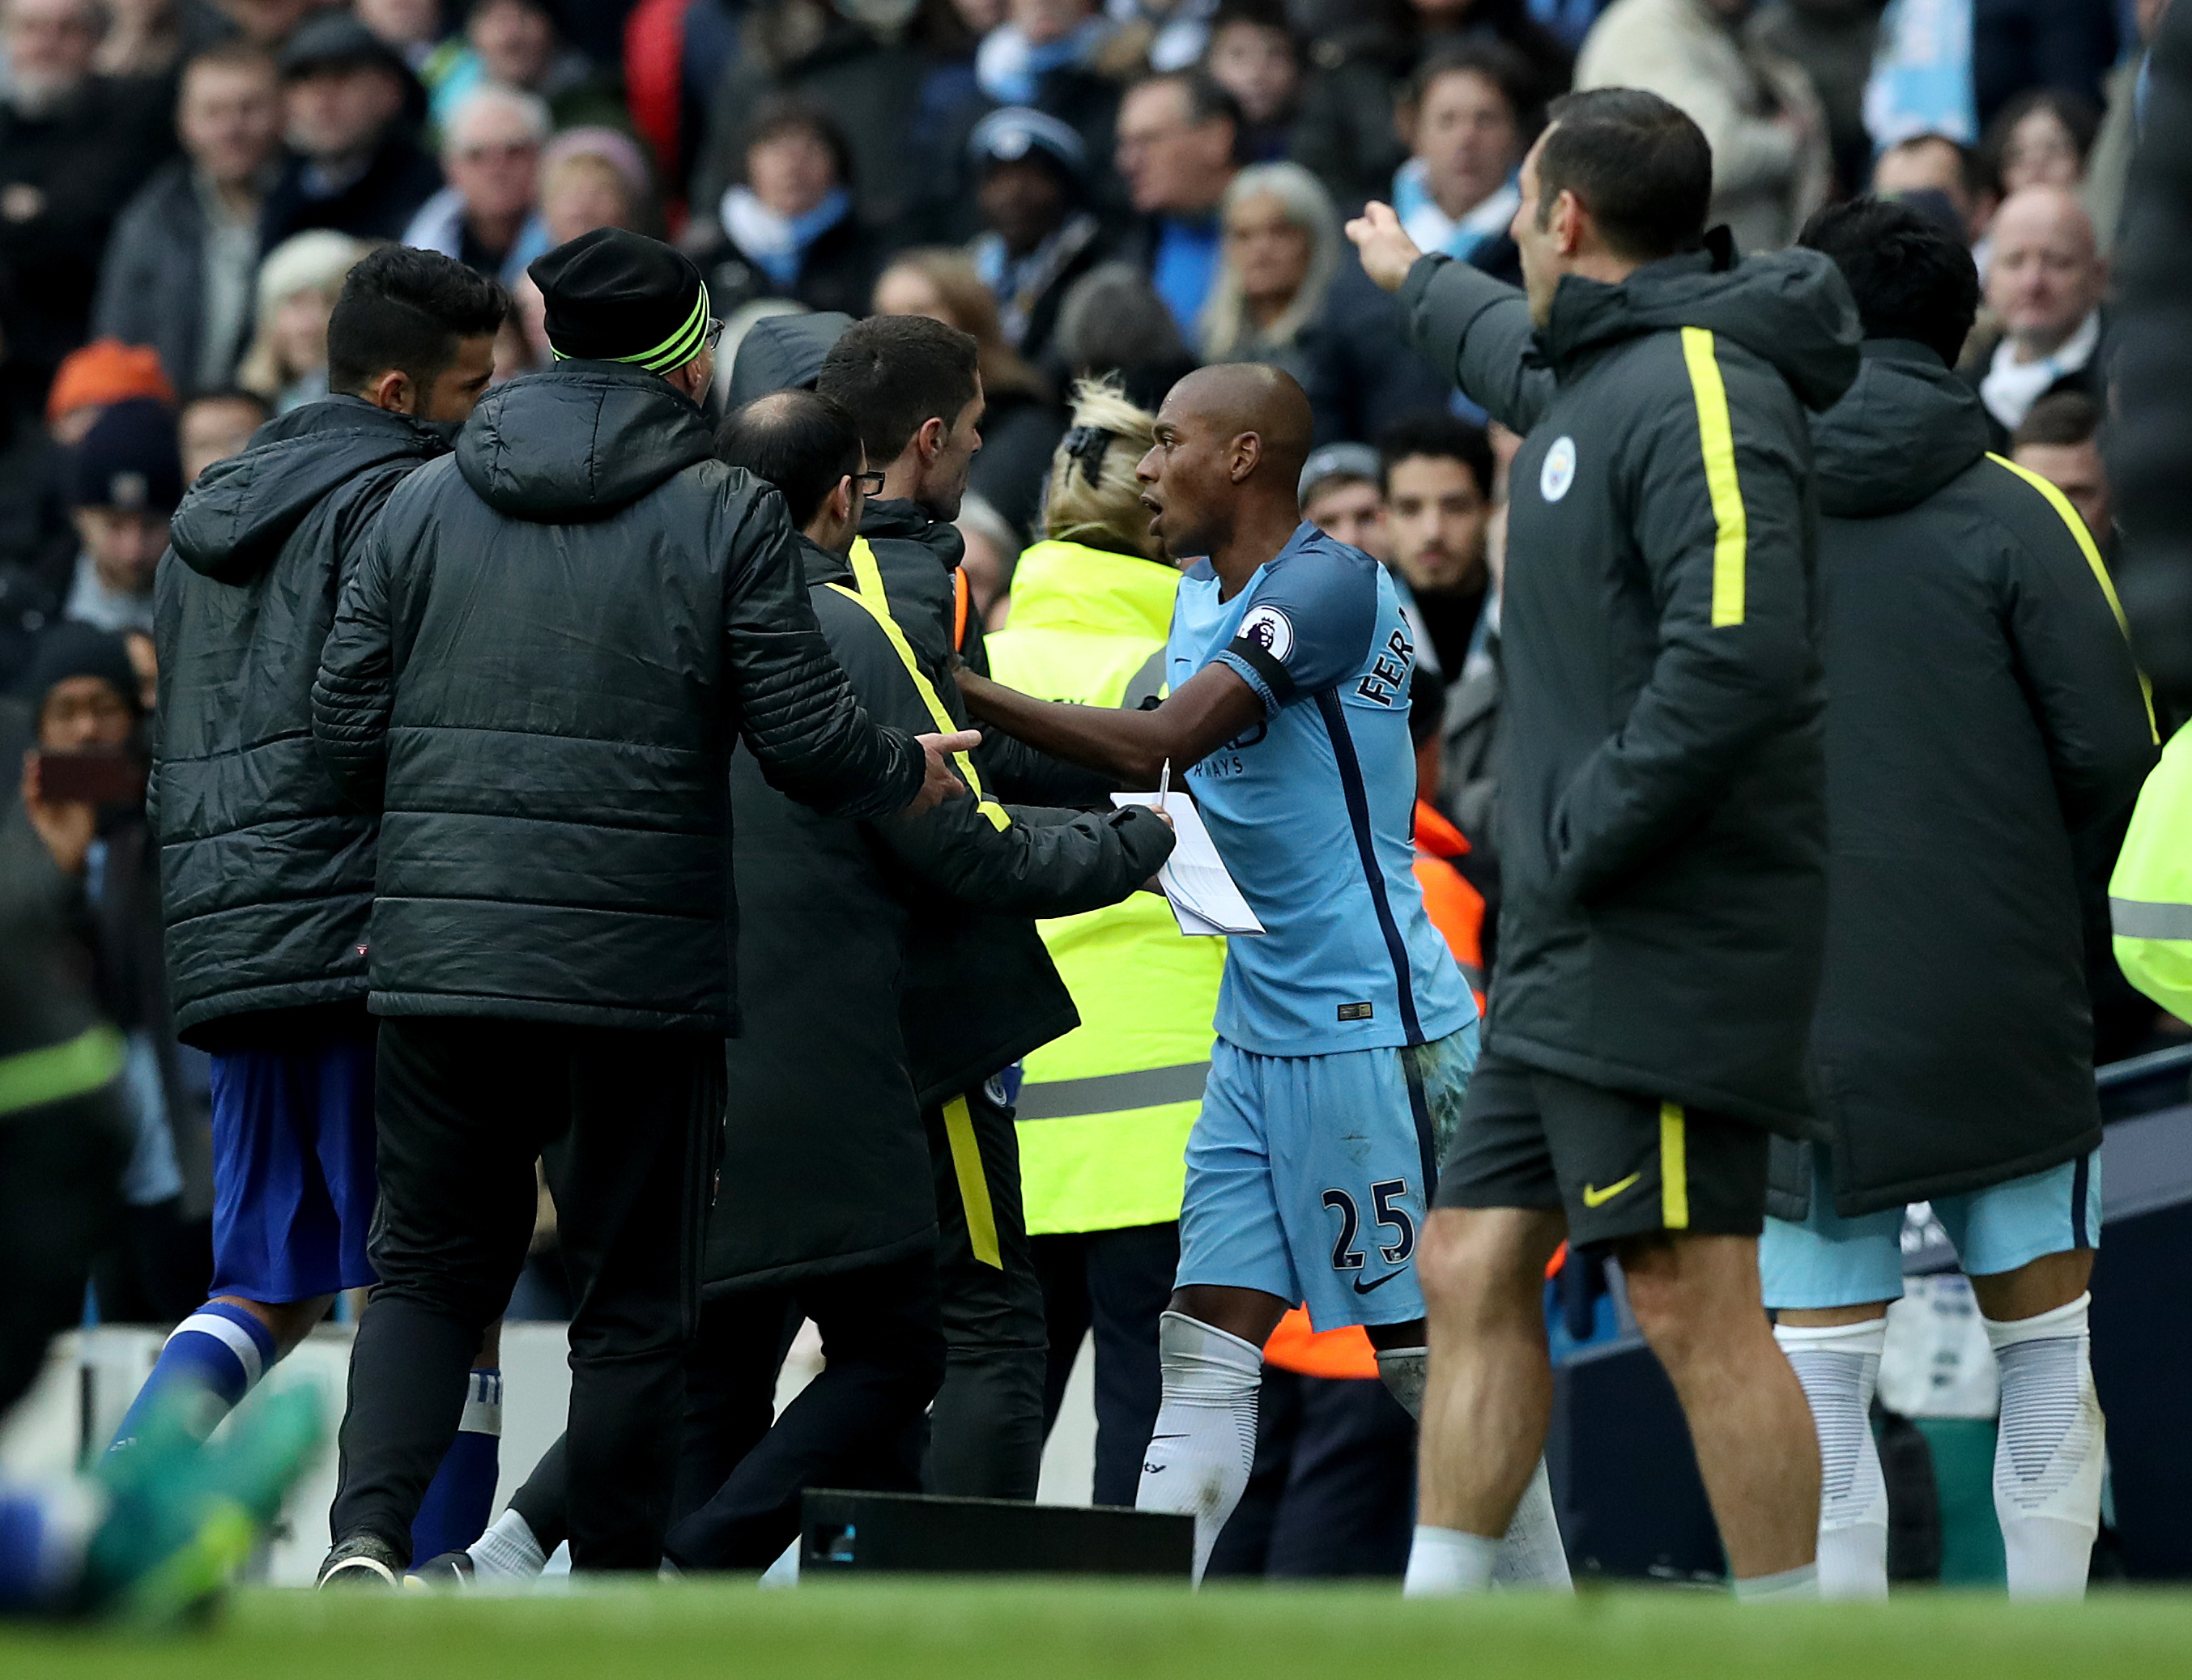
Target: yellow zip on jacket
column 1104, row 1111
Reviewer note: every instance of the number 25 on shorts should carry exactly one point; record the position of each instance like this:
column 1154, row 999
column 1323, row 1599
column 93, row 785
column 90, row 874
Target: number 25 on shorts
column 1384, row 1196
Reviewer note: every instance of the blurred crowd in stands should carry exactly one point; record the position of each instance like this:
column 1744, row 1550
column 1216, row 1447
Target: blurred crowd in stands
column 1087, row 186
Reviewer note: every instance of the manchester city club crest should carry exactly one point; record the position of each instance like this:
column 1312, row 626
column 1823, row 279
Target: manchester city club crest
column 1559, row 470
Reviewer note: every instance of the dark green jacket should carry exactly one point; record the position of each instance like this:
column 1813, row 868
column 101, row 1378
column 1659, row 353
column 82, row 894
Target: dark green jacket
column 834, row 915
column 537, row 670
column 1661, row 811
column 1982, row 709
column 266, row 871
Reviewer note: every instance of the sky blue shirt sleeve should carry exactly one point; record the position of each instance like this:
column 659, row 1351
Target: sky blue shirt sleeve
column 1309, row 624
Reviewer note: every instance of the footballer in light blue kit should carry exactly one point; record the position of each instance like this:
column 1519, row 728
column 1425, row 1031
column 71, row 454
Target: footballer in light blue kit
column 1346, row 1024
column 1345, row 1031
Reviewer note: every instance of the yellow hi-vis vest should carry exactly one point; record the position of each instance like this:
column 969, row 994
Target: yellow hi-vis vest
column 1104, row 1111
column 2150, row 894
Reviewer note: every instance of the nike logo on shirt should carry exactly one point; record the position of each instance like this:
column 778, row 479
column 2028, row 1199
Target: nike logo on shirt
column 1361, row 1288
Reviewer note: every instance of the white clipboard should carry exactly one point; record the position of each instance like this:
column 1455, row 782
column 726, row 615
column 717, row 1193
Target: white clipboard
column 1198, row 885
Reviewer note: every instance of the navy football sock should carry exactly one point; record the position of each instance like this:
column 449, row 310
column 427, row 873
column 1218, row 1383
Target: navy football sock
column 216, row 1355
column 461, row 1496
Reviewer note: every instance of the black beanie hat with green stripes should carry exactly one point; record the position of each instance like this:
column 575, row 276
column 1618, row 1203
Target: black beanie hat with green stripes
column 616, row 296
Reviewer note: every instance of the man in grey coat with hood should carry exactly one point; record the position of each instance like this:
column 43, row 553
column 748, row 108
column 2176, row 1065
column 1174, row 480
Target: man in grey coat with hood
column 1982, row 710
column 1663, row 819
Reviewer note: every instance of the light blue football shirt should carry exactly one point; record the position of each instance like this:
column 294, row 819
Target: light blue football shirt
column 1311, row 809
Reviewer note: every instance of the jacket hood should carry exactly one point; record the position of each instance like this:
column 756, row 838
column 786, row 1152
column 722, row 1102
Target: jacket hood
column 912, row 522
column 1792, row 308
column 234, row 520
column 782, row 352
column 1069, row 586
column 579, row 442
column 1905, row 428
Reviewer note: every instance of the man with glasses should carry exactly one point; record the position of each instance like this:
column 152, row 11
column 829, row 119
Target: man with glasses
column 488, row 216
column 537, row 670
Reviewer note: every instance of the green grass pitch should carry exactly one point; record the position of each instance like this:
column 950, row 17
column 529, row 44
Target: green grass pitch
column 956, row 1630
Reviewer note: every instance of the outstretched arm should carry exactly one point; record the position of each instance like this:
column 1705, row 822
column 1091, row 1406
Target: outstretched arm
column 1208, row 710
column 1471, row 328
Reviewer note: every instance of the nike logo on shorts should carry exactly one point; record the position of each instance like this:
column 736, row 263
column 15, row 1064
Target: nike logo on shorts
column 1593, row 1197
column 1361, row 1288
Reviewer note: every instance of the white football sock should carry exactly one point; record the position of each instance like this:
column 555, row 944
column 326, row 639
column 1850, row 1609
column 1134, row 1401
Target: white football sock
column 1532, row 1555
column 1838, row 1366
column 1448, row 1563
column 2051, row 1451
column 1404, row 1370
column 1789, row 1586
column 507, row 1550
column 1204, row 1444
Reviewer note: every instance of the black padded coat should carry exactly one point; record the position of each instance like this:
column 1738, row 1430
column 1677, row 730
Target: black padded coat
column 537, row 674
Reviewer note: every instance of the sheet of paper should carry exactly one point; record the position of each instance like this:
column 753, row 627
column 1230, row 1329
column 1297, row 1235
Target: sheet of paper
column 1196, row 883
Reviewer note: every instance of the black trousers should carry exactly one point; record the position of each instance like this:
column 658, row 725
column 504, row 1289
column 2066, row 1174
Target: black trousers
column 60, row 1163
column 1333, row 1492
column 857, row 1425
column 630, row 1124
column 1116, row 1283
column 986, row 1428
column 860, row 1424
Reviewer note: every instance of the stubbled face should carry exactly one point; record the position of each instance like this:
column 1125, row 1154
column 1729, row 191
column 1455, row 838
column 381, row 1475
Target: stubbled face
column 1436, row 514
column 1187, row 481
column 458, row 388
column 1535, row 234
column 229, row 118
column 1351, row 511
column 2044, row 276
column 2079, row 473
column 1269, row 250
column 1466, row 135
column 943, row 485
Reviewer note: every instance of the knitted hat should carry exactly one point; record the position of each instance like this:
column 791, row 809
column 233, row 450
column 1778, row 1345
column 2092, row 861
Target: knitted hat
column 67, row 649
column 128, row 459
column 612, row 295
column 106, row 371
